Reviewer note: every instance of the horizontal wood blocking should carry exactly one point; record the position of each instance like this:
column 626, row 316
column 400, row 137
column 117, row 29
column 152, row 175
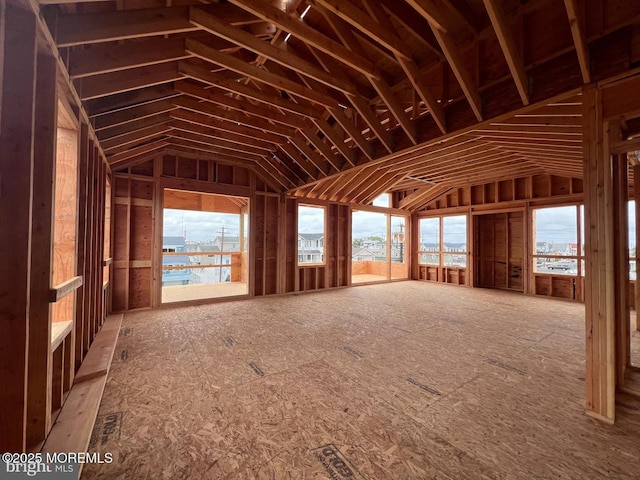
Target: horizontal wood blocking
column 61, row 291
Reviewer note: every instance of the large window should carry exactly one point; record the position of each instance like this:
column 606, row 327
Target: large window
column 204, row 246
column 443, row 241
column 558, row 246
column 311, row 230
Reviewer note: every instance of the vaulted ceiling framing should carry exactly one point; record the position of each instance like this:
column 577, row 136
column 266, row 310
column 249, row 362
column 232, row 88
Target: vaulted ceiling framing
column 345, row 99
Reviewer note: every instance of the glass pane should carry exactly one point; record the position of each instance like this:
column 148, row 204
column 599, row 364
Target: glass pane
column 632, row 228
column 383, row 200
column 556, row 231
column 399, row 263
column 369, row 232
column 369, row 247
column 455, row 260
column 582, row 231
column 429, row 259
column 310, row 234
column 429, row 234
column 398, row 250
column 555, row 266
column 454, row 233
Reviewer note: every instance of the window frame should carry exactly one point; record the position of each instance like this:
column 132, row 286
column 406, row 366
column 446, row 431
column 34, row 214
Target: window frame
column 441, row 250
column 302, row 253
column 579, row 257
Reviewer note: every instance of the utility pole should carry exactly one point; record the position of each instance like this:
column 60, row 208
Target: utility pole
column 222, row 231
column 401, row 241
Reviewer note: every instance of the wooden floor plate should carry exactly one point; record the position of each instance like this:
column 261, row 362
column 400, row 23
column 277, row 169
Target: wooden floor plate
column 408, row 380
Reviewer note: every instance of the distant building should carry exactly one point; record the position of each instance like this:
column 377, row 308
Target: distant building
column 362, row 255
column 310, row 247
column 228, row 244
column 173, row 244
column 543, row 247
column 208, row 258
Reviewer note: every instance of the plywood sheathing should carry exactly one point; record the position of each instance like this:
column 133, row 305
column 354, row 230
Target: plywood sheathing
column 403, row 381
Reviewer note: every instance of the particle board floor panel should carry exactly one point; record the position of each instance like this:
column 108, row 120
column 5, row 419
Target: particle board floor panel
column 408, row 380
column 186, row 293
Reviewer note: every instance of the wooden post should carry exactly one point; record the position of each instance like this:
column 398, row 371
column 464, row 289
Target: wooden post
column 636, row 190
column 600, row 298
column 621, row 259
column 39, row 376
column 16, row 187
column 414, row 256
column 82, row 260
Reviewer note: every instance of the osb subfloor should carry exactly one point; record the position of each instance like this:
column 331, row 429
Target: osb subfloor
column 367, row 277
column 184, row 293
column 408, row 380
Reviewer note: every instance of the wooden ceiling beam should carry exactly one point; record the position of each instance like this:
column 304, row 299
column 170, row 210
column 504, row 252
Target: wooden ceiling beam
column 131, row 115
column 307, row 34
column 367, row 25
column 509, row 48
column 251, row 123
column 579, row 38
column 204, row 75
column 123, row 129
column 199, row 118
column 328, row 189
column 391, row 100
column 120, row 25
column 262, row 75
column 136, row 142
column 328, row 131
column 376, row 188
column 322, row 147
column 251, row 145
column 219, row 97
column 431, row 163
column 343, row 30
column 312, row 155
column 424, row 194
column 411, row 71
column 358, row 103
column 414, row 24
column 440, row 25
column 126, row 80
column 230, row 149
column 460, row 71
column 126, row 100
column 133, row 136
column 463, row 14
column 106, row 58
column 435, row 15
column 535, row 129
column 276, row 54
column 358, row 181
column 117, row 159
column 540, row 121
column 296, row 157
column 415, row 77
column 573, row 140
column 368, row 115
column 137, row 159
column 353, row 132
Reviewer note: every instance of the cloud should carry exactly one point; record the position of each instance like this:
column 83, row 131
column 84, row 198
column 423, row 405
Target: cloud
column 200, row 226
